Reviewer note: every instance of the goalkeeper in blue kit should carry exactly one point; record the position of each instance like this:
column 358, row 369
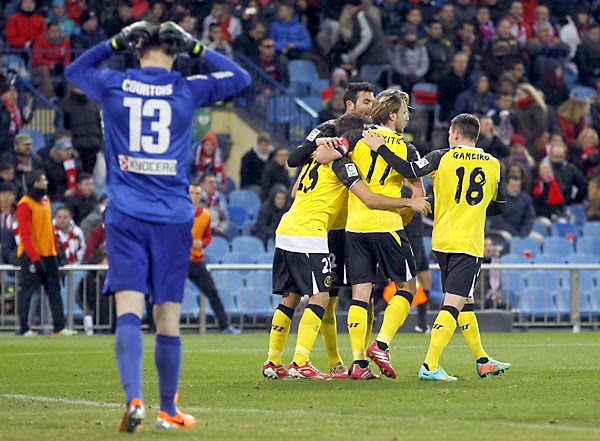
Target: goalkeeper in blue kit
column 148, row 114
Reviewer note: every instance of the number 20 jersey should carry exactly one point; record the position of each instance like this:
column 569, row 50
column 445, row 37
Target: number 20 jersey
column 465, row 182
column 148, row 116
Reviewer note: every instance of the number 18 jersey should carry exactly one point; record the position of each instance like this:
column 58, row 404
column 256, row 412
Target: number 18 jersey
column 465, row 182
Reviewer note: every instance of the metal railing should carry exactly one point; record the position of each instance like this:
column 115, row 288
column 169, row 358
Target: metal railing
column 540, row 295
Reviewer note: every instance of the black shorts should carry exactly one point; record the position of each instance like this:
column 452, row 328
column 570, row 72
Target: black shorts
column 301, row 273
column 421, row 259
column 458, row 272
column 337, row 256
column 391, row 251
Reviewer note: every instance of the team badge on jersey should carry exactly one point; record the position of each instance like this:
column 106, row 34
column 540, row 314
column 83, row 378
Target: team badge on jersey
column 351, row 170
column 422, row 162
column 313, row 135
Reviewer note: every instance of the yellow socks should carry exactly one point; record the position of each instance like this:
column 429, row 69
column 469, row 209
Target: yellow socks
column 394, row 316
column 308, row 329
column 470, row 330
column 329, row 333
column 441, row 333
column 370, row 320
column 280, row 329
column 357, row 328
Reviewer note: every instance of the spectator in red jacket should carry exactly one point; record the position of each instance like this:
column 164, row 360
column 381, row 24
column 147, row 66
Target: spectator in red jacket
column 23, row 27
column 209, row 158
column 51, row 54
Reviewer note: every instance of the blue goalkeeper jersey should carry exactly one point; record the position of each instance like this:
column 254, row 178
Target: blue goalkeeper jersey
column 148, row 115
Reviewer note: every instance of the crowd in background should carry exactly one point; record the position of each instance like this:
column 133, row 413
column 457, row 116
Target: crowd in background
column 529, row 69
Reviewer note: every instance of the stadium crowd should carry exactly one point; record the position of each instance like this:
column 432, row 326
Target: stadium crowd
column 529, row 69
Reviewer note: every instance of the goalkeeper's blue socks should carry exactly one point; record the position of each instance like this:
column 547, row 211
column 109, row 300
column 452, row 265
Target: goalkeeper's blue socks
column 129, row 350
column 167, row 357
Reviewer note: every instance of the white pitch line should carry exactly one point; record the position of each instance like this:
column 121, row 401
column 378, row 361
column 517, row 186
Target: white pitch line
column 279, row 412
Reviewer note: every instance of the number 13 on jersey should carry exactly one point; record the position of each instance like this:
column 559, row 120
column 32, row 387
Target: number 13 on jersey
column 150, row 108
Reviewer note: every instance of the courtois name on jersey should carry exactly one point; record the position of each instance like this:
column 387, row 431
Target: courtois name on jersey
column 148, row 115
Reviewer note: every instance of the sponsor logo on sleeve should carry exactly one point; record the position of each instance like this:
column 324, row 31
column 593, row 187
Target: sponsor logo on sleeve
column 351, row 170
column 145, row 166
column 313, row 135
column 422, row 162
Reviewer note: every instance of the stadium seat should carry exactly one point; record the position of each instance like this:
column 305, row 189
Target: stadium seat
column 589, row 246
column 595, row 302
column 540, row 228
column 237, row 216
column 37, row 139
column 256, row 302
column 549, row 258
column 248, row 245
column 513, row 282
column 578, row 214
column 559, row 246
column 538, row 304
column 247, row 199
column 524, row 246
column 271, row 244
column 247, row 228
column 591, row 229
column 230, row 302
column 189, row 305
column 314, row 102
column 229, row 185
column 231, row 280
column 303, row 71
column 566, row 229
column 266, row 257
column 217, row 248
column 280, row 109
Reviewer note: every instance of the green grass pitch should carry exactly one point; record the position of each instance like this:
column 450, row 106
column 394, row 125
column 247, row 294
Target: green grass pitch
column 61, row 388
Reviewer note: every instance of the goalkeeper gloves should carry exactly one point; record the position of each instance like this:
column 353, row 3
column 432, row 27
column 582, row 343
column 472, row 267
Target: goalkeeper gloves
column 178, row 40
column 132, row 36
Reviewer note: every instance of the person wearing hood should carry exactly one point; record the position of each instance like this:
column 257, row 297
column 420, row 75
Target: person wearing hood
column 24, row 161
column 209, row 158
column 23, row 27
column 254, row 161
column 290, row 35
column 62, row 168
column 478, row 99
column 275, row 172
column 587, row 57
column 37, row 252
column 81, row 116
column 271, row 211
column 51, row 54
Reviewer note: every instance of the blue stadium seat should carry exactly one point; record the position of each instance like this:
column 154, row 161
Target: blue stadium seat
column 229, row 185
column 237, row 216
column 522, row 245
column 591, row 229
column 303, row 71
column 216, row 249
column 248, row 245
column 189, row 305
column 549, row 258
column 230, row 302
column 314, row 102
column 271, row 244
column 584, row 93
column 280, row 109
column 595, row 302
column 565, row 229
column 266, row 257
column 538, row 304
column 260, row 279
column 256, row 302
column 559, row 246
column 589, row 246
column 513, row 282
column 230, row 280
column 247, row 199
column 578, row 214
column 540, row 228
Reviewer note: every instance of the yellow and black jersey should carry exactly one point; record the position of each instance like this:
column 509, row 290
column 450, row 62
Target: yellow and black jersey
column 319, row 198
column 465, row 181
column 380, row 177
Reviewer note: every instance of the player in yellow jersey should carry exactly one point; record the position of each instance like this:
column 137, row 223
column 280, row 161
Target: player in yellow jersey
column 376, row 237
column 467, row 185
column 358, row 98
column 301, row 264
